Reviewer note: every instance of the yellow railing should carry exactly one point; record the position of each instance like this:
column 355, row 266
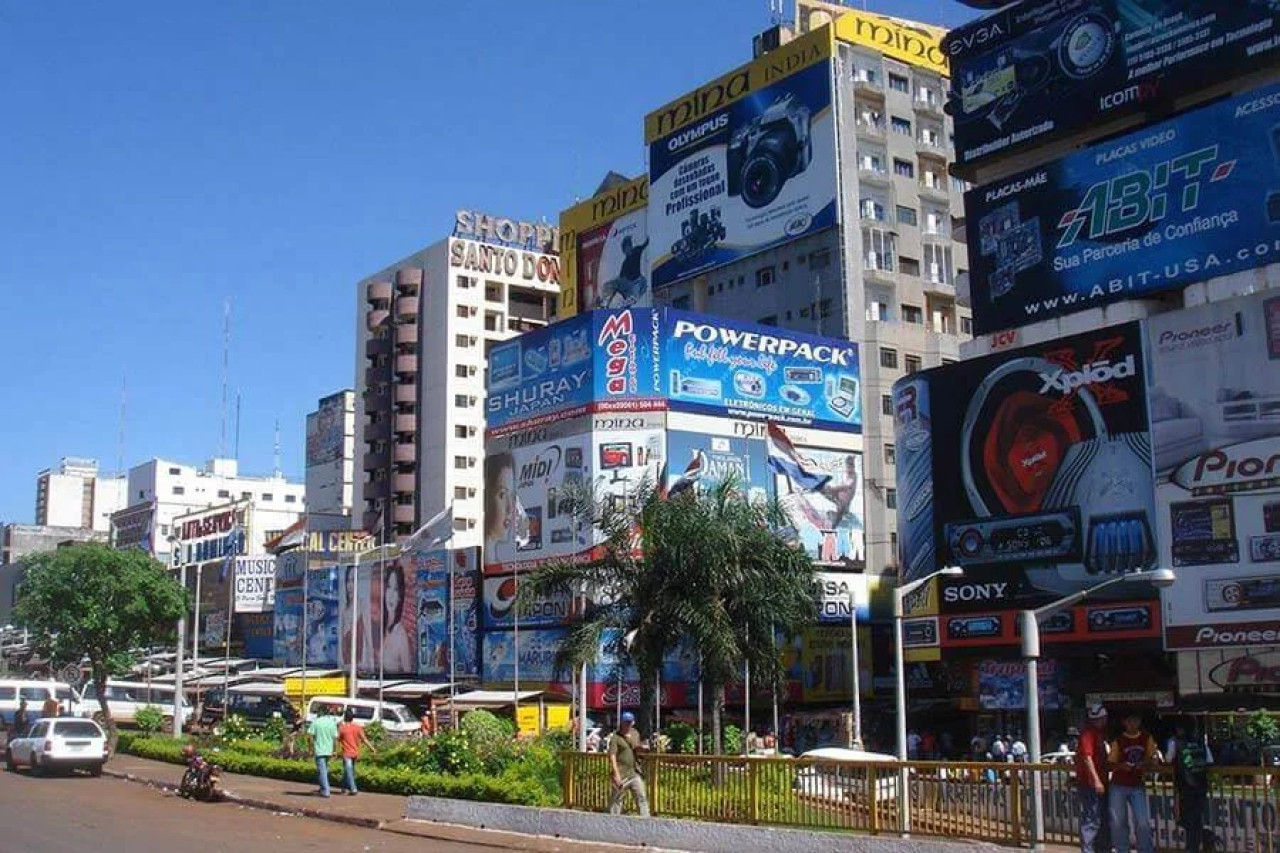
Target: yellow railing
column 989, row 802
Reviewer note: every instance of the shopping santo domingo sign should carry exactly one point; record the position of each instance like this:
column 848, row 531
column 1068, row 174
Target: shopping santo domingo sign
column 255, row 584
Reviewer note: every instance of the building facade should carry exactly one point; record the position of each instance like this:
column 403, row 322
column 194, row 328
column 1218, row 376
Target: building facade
column 22, row 540
column 331, row 455
column 425, row 326
column 74, row 494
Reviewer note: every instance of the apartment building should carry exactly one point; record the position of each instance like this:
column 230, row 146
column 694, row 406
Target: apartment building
column 425, row 325
column 75, row 494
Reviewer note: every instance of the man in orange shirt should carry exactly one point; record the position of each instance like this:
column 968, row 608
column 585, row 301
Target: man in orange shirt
column 351, row 737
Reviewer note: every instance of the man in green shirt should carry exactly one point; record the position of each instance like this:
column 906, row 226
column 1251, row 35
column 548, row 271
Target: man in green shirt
column 624, row 768
column 323, row 731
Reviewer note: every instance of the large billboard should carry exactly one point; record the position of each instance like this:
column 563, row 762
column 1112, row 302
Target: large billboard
column 1045, row 69
column 604, row 256
column 446, row 582
column 326, row 430
column 322, row 632
column 287, row 624
column 255, row 584
column 829, row 520
column 1215, row 430
column 360, row 613
column 1177, row 202
column 1041, row 472
column 906, row 41
column 536, row 650
column 548, row 608
column 744, row 163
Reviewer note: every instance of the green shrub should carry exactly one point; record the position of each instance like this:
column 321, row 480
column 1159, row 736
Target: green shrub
column 377, row 734
column 275, row 731
column 150, row 719
column 491, row 739
column 684, row 738
column 732, row 740
column 235, row 728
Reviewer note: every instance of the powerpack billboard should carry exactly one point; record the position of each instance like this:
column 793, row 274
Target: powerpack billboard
column 1045, row 69
column 716, row 366
column 1191, row 198
column 604, row 258
column 1041, row 469
column 743, row 163
column 1215, row 430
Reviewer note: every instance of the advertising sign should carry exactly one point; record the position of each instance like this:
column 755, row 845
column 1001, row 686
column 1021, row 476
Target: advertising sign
column 209, row 535
column 397, row 586
column 838, row 593
column 906, row 41
column 817, row 664
column 433, row 573
column 537, row 654
column 1177, row 202
column 1041, row 468
column 326, row 431
column 322, row 617
column 360, row 611
column 829, row 520
column 1215, row 430
column 699, row 461
column 551, row 608
column 290, row 567
column 257, row 630
column 716, row 366
column 603, row 251
column 255, row 584
column 1044, row 69
column 1002, row 685
column 287, row 640
column 466, row 613
column 1242, row 670
column 913, row 428
column 744, row 163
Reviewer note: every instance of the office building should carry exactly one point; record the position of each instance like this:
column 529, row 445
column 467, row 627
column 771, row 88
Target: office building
column 75, row 494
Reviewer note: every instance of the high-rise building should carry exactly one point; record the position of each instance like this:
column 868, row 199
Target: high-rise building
column 424, row 328
column 330, row 456
column 863, row 247
column 74, row 494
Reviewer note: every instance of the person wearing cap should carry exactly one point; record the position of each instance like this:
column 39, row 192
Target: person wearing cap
column 1132, row 755
column 624, row 767
column 1091, row 786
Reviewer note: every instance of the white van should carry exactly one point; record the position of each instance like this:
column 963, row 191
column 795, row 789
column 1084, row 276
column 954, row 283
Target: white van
column 395, row 718
column 13, row 691
column 126, row 698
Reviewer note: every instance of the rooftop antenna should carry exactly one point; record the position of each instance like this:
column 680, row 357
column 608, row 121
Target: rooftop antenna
column 121, row 484
column 237, row 428
column 278, row 470
column 226, row 348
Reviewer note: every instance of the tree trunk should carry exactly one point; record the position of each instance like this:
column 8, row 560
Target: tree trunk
column 718, row 770
column 644, row 714
column 104, row 712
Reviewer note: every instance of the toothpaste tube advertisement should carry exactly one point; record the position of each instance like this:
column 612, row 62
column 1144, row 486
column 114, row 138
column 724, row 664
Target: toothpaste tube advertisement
column 537, row 657
column 721, row 367
column 1041, row 479
column 1182, row 201
column 1048, row 68
column 744, row 163
column 1215, row 430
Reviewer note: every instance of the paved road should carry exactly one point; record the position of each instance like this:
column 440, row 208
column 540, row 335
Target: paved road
column 83, row 815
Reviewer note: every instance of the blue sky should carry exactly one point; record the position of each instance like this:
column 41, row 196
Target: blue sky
column 157, row 159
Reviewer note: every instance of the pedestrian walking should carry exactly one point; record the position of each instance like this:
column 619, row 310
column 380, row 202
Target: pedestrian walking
column 1018, row 750
column 1191, row 760
column 426, row 725
column 20, row 718
column 1132, row 755
column 624, row 766
column 323, row 731
column 1091, row 786
column 350, row 738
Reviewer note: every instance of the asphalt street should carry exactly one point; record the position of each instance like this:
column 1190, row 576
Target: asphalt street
column 80, row 814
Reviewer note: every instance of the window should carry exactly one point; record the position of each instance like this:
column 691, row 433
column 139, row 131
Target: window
column 460, row 524
column 175, row 471
column 764, row 276
column 909, row 266
column 820, row 259
column 463, row 311
column 907, row 215
column 890, row 454
column 872, row 209
column 912, row 363
column 142, row 493
column 904, row 168
column 899, row 84
column 865, row 75
column 466, row 281
column 888, row 357
column 460, row 371
column 680, row 303
column 179, row 490
column 459, row 462
column 459, row 493
column 459, row 432
column 900, row 125
column 966, row 325
column 891, row 498
column 267, row 496
column 886, row 405
column 223, row 493
column 244, row 496
column 462, row 340
column 461, row 401
column 912, row 314
column 291, row 499
column 893, row 540
column 771, row 320
column 879, row 249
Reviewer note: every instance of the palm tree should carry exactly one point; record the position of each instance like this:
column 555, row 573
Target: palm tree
column 708, row 567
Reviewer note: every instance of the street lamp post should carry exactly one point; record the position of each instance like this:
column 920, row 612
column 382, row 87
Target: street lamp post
column 1029, row 623
column 899, row 595
column 857, row 676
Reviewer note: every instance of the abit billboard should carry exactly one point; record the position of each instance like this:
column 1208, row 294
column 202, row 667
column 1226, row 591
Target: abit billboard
column 1215, row 431
column 1037, row 467
column 1045, row 69
column 743, row 163
column 604, row 242
column 1178, row 202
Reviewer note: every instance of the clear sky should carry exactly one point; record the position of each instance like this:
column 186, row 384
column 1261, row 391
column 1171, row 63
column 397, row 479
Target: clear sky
column 160, row 158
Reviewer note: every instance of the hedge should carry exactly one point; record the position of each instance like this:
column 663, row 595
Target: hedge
column 511, row 787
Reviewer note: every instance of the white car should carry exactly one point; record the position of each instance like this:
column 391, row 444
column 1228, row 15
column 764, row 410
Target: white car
column 395, row 718
column 840, row 775
column 58, row 743
column 127, row 698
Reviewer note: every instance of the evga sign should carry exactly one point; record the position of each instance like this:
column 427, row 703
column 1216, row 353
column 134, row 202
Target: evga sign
column 1252, row 466
column 1259, row 671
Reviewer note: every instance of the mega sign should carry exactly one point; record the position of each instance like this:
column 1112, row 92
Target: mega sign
column 1048, row 68
column 1175, row 203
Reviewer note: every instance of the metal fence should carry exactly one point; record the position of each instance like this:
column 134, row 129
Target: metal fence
column 982, row 801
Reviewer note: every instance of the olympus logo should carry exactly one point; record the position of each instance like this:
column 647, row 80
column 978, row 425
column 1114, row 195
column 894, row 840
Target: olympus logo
column 1066, row 381
column 693, row 134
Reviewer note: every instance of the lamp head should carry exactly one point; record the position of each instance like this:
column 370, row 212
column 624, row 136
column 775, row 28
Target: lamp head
column 951, row 572
column 1159, row 578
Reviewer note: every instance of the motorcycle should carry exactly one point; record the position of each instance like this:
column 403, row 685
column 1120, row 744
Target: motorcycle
column 200, row 781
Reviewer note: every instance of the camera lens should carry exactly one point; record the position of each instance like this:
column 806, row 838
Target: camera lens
column 761, row 180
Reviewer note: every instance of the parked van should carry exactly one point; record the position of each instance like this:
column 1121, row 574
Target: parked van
column 395, row 718
column 13, row 691
column 127, row 698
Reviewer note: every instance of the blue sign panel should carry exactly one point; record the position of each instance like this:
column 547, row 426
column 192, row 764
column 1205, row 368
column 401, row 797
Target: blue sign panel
column 1048, row 68
column 1178, row 202
column 544, row 371
column 537, row 653
column 716, row 366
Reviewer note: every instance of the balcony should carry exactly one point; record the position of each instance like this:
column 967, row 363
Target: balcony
column 930, row 103
column 932, row 143
column 376, row 460
column 406, row 365
column 376, row 318
column 879, row 273
column 874, row 176
column 409, row 279
column 404, row 484
column 380, row 431
column 934, row 189
column 407, row 335
column 406, row 394
column 403, row 513
column 377, row 400
column 405, row 454
column 939, row 287
column 377, row 347
column 870, row 130
column 378, row 293
column 406, row 307
column 374, row 375
column 864, row 84
column 406, row 424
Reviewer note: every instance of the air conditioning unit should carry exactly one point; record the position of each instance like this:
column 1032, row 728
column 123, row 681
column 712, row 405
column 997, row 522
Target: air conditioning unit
column 869, row 164
column 869, row 210
column 471, row 493
column 937, row 321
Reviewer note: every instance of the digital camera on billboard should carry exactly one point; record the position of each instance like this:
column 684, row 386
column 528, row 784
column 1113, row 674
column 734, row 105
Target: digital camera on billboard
column 771, row 148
